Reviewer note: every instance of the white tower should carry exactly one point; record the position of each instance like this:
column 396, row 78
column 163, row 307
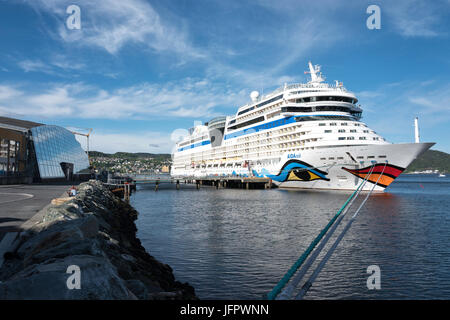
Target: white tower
column 416, row 130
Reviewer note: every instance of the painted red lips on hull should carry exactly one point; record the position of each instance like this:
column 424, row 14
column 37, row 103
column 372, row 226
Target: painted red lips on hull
column 378, row 176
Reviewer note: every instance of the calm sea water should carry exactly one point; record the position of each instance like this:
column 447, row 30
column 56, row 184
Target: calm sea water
column 237, row 244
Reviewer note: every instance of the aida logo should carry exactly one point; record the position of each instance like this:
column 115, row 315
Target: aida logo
column 293, row 155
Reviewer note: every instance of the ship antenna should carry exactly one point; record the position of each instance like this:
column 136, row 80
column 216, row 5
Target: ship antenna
column 316, row 75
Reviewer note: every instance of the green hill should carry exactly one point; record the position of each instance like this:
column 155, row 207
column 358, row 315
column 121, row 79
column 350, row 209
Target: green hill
column 130, row 156
column 431, row 160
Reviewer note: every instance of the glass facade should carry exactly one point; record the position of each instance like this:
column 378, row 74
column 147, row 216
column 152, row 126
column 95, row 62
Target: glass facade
column 9, row 150
column 55, row 148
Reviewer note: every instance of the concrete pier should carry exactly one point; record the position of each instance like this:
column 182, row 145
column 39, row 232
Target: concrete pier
column 19, row 203
column 235, row 182
column 218, row 182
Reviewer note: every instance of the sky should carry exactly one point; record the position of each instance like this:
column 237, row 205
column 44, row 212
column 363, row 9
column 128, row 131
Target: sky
column 140, row 72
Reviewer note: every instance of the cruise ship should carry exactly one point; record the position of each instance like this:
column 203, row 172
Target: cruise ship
column 307, row 135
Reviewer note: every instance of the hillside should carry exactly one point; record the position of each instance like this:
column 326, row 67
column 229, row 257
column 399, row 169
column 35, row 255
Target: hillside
column 130, row 156
column 431, row 160
column 130, row 163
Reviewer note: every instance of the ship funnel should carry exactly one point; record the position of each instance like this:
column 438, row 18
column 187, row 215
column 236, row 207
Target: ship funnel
column 416, row 130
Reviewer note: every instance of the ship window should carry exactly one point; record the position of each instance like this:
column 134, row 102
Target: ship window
column 322, row 124
column 381, row 156
column 352, row 130
column 328, row 98
column 341, row 138
column 340, row 158
column 316, row 118
column 328, row 131
column 247, row 123
column 343, row 123
column 359, row 157
column 333, row 124
column 350, row 138
column 370, row 157
column 341, row 130
column 362, row 138
column 323, row 158
column 331, row 158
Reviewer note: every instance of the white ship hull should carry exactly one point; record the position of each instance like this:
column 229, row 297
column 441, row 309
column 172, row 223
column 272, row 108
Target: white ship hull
column 314, row 173
column 398, row 157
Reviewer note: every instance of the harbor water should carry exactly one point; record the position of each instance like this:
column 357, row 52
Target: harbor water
column 237, row 244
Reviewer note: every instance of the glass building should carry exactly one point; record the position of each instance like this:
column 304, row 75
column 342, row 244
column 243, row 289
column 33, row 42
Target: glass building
column 58, row 153
column 31, row 151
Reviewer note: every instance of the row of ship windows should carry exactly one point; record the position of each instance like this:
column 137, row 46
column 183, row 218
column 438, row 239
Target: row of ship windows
column 360, row 138
column 260, row 105
column 325, row 98
column 193, row 141
column 320, row 108
column 265, row 110
column 351, row 131
column 322, row 124
column 358, row 157
column 299, row 119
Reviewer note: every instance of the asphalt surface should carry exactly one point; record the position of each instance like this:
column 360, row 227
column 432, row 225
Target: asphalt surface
column 18, row 203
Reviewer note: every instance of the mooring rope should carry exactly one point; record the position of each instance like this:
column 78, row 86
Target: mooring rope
column 287, row 292
column 288, row 275
column 322, row 263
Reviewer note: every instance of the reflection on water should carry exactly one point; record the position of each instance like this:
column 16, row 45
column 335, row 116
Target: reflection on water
column 237, row 244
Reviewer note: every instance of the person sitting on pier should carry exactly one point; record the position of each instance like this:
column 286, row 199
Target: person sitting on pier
column 72, row 191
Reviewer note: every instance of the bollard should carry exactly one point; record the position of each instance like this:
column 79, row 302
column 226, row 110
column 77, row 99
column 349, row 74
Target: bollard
column 156, row 185
column 178, row 184
column 198, row 184
column 126, row 192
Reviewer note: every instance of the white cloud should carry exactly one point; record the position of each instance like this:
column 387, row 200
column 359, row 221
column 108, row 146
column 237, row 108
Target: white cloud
column 184, row 98
column 111, row 24
column 32, row 66
column 391, row 108
column 57, row 64
column 8, row 92
column 143, row 141
column 415, row 18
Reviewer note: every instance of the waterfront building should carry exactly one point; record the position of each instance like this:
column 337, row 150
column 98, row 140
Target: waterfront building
column 32, row 152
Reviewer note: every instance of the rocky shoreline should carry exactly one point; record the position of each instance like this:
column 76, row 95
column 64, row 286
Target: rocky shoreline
column 95, row 232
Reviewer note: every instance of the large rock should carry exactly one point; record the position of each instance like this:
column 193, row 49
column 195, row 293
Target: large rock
column 96, row 232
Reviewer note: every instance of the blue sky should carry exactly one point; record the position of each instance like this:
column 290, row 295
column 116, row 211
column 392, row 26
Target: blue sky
column 139, row 71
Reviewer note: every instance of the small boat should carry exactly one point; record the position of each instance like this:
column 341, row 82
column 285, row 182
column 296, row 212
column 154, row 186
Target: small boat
column 441, row 175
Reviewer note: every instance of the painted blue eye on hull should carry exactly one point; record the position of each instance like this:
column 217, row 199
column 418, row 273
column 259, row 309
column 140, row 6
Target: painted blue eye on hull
column 289, row 166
